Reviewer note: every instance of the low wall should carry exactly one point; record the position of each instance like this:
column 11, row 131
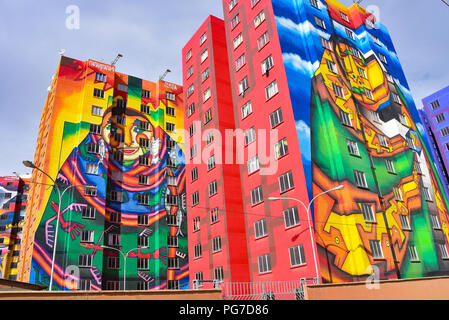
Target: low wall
column 113, row 295
column 408, row 289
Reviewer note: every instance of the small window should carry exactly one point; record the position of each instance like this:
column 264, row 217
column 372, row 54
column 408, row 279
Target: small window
column 426, row 194
column 189, row 55
column 88, row 212
column 203, row 38
column 204, row 56
column 90, row 191
column 243, row 86
column 207, row 94
column 345, row 118
column 237, row 40
column 98, row 93
column 291, row 217
column 260, row 228
column 390, row 166
column 353, row 148
column 326, row 44
column 205, row 74
column 143, row 220
column 256, row 195
column 440, row 118
column 218, row 274
column 247, row 109
column 259, row 19
column 435, row 104
column 281, row 148
column 250, row 136
column 331, row 66
column 271, row 90
column 344, row 16
column 191, row 109
column 376, row 249
column 286, row 182
column 262, row 41
column 405, row 222
column 145, row 109
column 267, row 64
column 84, row 285
column 196, row 224
column 142, row 241
column 297, row 256
column 276, row 118
column 264, row 263
column 235, row 21
column 368, row 212
column 87, row 236
column 360, row 179
column 101, row 77
column 413, row 252
column 92, row 168
column 253, row 164
column 213, row 187
column 216, row 244
column 170, row 127
column 195, row 198
column 146, row 94
column 338, row 91
column 114, row 262
column 143, row 263
column 214, row 215
column 383, row 141
column 240, row 62
column 443, row 251
column 194, row 174
column 397, row 194
column 350, row 34
column 95, row 129
column 85, row 260
column 435, row 222
column 211, row 163
column 197, row 251
column 320, row 23
column 170, row 96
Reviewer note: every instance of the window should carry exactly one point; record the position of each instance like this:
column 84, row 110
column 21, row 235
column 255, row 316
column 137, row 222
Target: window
column 197, row 251
column 210, row 138
column 205, row 74
column 443, row 251
column 93, row 148
column 353, row 148
column 171, row 200
column 195, row 198
column 344, row 16
column 254, row 2
column 418, row 167
column 84, row 285
column 206, row 94
column 142, row 241
column 143, row 263
column 100, row 77
column 214, row 215
column 87, row 236
column 326, row 44
column 213, row 188
column 331, row 66
column 211, row 163
column 170, row 96
column 194, row 174
column 297, row 256
column 146, row 94
column 113, row 262
column 114, row 240
column 115, row 217
column 411, row 142
column 256, row 195
column 390, row 166
column 145, row 109
column 260, row 228
column 389, row 78
column 143, row 286
column 199, row 278
column 345, row 118
column 171, row 181
column 376, row 249
column 144, row 143
column 405, row 222
column 218, row 274
column 320, row 23
column 362, row 73
column 281, row 148
column 314, row 3
column 172, row 241
column 173, row 263
column 435, row 222
column 397, row 194
column 291, row 217
column 143, row 199
column 92, row 168
column 383, row 58
column 98, row 93
column 350, row 34
column 445, row 132
column 216, row 244
column 440, row 118
column 144, row 161
column 189, row 72
column 247, row 109
column 171, row 220
column 237, row 40
column 264, row 263
column 95, row 129
column 232, row 4
column 383, row 140
column 191, row 109
column 85, row 260
column 145, row 125
column 240, row 62
column 271, row 90
column 90, row 191
column 250, row 136
column 259, row 19
column 276, row 118
column 193, row 152
column 190, row 90
column 243, row 86
column 267, row 64
column 338, row 91
column 426, row 194
column 203, row 38
column 435, row 104
column 369, row 94
column 262, row 41
column 189, row 55
column 286, row 182
column 117, row 196
column 173, row 284
column 368, row 212
column 375, row 116
column 360, row 179
column 396, row 97
column 88, row 212
column 235, row 21
column 196, row 224
column 253, row 164
column 122, row 87
column 170, row 127
column 204, row 55
column 413, row 253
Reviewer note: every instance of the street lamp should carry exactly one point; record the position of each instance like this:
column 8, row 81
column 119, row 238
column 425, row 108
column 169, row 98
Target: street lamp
column 309, row 218
column 31, row 165
column 125, row 255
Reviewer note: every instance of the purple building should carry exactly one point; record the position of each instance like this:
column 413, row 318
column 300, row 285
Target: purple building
column 435, row 118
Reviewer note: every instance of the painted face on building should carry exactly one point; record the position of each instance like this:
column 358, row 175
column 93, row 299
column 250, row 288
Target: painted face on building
column 124, row 132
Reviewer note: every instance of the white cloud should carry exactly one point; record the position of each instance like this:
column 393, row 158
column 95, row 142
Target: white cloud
column 304, row 28
column 303, row 129
column 301, row 65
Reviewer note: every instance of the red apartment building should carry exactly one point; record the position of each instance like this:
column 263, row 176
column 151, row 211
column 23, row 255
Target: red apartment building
column 271, row 240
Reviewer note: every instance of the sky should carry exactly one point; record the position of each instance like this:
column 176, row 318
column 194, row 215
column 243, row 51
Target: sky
column 151, row 34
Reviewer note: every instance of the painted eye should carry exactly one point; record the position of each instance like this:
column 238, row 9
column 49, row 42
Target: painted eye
column 138, row 130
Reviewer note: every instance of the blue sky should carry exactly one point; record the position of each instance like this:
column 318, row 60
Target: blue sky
column 150, row 34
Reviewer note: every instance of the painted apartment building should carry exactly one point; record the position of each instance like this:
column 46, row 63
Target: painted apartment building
column 13, row 201
column 325, row 80
column 110, row 141
column 435, row 119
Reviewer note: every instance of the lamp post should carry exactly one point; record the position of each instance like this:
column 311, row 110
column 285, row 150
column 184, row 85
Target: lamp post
column 31, row 165
column 125, row 256
column 309, row 218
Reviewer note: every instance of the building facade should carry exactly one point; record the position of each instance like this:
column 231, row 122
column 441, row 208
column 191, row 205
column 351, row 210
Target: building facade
column 325, row 82
column 110, row 142
column 435, row 119
column 13, row 201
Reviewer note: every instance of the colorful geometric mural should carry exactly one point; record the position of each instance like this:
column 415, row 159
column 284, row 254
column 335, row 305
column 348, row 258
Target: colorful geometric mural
column 350, row 94
column 136, row 165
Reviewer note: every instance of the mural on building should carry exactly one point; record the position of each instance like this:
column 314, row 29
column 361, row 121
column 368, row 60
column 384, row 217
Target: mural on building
column 13, row 201
column 138, row 179
column 360, row 131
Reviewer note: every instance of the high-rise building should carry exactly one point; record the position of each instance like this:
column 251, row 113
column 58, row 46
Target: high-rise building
column 110, row 142
column 435, row 119
column 13, row 201
column 325, row 82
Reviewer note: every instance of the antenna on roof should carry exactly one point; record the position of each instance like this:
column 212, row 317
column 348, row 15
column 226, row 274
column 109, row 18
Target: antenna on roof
column 164, row 75
column 61, row 52
column 116, row 59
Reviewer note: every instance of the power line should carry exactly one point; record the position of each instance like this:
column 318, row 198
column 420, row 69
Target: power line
column 444, row 1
